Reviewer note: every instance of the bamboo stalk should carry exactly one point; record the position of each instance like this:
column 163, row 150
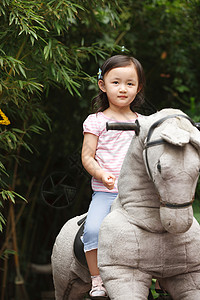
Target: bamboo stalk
column 19, row 281
column 17, row 56
column 14, row 238
column 5, row 268
column 8, row 236
column 4, row 278
column 8, row 229
column 31, row 210
column 26, row 197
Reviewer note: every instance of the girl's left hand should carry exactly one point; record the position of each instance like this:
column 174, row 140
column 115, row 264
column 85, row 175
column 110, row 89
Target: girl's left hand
column 109, row 180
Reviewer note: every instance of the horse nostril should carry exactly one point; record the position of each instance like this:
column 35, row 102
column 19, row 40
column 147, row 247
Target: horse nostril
column 159, row 166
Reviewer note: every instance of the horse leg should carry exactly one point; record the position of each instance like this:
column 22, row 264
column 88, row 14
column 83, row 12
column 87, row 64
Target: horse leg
column 76, row 290
column 184, row 286
column 124, row 282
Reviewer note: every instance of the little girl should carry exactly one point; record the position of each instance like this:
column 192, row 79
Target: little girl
column 121, row 82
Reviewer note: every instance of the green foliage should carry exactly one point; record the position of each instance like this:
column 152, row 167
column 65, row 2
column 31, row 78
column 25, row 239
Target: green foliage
column 42, row 49
column 35, row 55
column 166, row 40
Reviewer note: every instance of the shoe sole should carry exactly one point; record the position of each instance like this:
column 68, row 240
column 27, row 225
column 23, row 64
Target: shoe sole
column 99, row 298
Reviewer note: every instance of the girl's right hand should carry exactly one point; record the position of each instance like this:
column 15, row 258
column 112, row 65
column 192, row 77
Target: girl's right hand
column 108, row 180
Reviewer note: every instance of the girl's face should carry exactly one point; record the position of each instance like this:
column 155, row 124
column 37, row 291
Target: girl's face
column 120, row 85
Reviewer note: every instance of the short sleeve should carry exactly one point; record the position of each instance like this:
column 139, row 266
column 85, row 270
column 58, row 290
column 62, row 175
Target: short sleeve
column 91, row 125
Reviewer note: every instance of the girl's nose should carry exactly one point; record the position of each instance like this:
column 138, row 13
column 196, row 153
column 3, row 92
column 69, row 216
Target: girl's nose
column 122, row 88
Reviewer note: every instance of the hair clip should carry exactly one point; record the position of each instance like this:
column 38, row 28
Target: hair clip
column 100, row 74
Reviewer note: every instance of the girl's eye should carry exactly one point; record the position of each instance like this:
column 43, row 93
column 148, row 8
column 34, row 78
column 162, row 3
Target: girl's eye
column 130, row 83
column 115, row 82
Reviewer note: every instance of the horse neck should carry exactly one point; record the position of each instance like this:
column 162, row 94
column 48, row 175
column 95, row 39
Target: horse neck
column 137, row 194
column 135, row 187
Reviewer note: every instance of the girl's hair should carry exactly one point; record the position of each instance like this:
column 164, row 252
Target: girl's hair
column 100, row 102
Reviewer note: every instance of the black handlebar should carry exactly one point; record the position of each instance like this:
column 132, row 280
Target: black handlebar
column 124, row 126
column 130, row 126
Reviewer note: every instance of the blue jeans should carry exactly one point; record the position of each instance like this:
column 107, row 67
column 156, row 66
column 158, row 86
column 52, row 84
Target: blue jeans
column 99, row 208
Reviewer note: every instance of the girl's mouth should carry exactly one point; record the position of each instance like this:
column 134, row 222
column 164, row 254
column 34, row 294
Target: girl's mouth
column 122, row 96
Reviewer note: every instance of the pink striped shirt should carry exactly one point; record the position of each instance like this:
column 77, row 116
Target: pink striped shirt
column 111, row 147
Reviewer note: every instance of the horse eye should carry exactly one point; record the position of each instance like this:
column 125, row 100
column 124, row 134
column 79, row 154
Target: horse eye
column 159, row 166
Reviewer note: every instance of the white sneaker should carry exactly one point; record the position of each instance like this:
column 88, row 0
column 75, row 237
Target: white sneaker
column 98, row 290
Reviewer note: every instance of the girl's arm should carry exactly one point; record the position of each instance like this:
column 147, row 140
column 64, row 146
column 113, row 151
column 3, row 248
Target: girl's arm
column 91, row 165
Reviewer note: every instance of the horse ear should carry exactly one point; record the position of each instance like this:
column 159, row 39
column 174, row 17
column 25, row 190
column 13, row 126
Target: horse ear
column 195, row 138
column 175, row 135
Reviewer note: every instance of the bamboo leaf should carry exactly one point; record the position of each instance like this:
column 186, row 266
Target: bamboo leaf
column 11, row 196
column 22, row 70
column 20, row 196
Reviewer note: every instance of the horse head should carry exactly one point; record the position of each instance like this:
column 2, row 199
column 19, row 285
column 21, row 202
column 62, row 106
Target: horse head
column 172, row 159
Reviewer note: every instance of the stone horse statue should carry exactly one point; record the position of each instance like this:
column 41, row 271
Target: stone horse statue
column 151, row 231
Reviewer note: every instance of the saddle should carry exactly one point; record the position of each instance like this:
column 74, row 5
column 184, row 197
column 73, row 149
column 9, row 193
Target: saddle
column 78, row 244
